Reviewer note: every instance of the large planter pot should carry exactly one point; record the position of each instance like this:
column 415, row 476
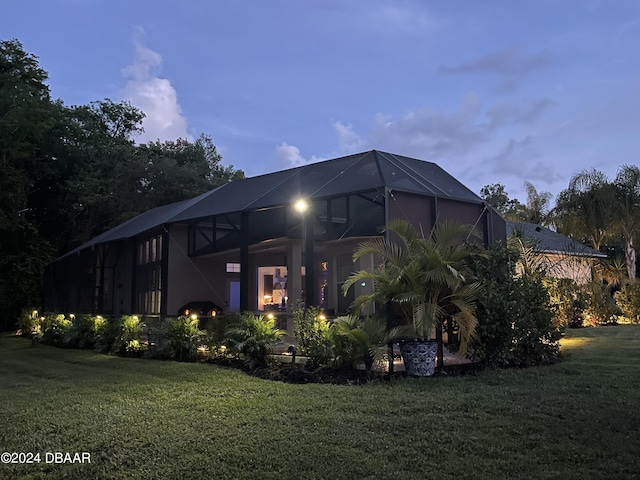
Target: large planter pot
column 419, row 357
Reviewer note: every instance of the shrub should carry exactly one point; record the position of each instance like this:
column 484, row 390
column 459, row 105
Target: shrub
column 628, row 299
column 213, row 343
column 254, row 337
column 29, row 323
column 515, row 324
column 183, row 336
column 311, row 331
column 567, row 300
column 54, row 326
column 84, row 331
column 123, row 336
column 535, row 337
column 359, row 340
column 600, row 308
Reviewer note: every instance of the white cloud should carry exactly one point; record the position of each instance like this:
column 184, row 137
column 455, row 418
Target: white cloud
column 348, row 140
column 155, row 96
column 289, row 156
column 430, row 134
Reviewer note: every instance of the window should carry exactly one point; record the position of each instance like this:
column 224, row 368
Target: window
column 233, row 268
column 150, row 250
column 149, row 277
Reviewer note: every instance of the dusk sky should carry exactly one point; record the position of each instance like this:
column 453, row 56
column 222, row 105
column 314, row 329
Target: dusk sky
column 492, row 91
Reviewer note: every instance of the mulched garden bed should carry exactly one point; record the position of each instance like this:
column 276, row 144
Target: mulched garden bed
column 301, row 374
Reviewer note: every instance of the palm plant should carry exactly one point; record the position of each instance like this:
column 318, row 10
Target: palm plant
column 253, row 336
column 425, row 278
column 537, row 207
column 586, row 208
column 627, row 213
column 360, row 339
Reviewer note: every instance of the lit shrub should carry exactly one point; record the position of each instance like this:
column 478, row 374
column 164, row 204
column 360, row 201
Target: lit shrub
column 311, row 331
column 54, row 327
column 515, row 323
column 600, row 307
column 84, row 331
column 29, row 323
column 253, row 337
column 123, row 336
column 628, row 299
column 181, row 337
column 567, row 300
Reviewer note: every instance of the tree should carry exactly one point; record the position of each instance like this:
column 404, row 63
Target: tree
column 424, row 277
column 177, row 170
column 496, row 196
column 537, row 207
column 26, row 118
column 70, row 173
column 585, row 209
column 536, row 210
column 627, row 211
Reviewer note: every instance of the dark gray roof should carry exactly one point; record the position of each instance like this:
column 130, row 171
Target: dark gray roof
column 340, row 176
column 548, row 241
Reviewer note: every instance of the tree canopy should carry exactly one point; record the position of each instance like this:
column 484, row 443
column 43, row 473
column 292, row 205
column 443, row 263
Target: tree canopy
column 72, row 172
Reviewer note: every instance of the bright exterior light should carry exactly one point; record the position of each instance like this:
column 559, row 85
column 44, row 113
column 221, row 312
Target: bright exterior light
column 301, row 205
column 194, row 316
column 270, row 316
column 322, row 317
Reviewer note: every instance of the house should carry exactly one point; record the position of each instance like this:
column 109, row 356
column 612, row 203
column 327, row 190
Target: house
column 262, row 243
column 560, row 256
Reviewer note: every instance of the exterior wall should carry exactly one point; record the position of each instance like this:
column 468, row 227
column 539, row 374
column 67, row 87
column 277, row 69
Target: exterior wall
column 192, row 279
column 573, row 267
column 417, row 209
column 424, row 211
column 123, row 280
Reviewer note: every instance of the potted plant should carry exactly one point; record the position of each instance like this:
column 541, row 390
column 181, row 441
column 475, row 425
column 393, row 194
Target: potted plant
column 423, row 279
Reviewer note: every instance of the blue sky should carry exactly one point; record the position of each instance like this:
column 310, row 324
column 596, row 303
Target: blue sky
column 492, row 91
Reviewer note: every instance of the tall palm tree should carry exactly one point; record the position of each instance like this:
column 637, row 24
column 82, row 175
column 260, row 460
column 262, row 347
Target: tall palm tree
column 424, row 277
column 586, row 208
column 537, row 207
column 627, row 212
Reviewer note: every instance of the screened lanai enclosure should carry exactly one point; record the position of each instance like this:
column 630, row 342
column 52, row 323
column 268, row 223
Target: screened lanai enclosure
column 262, row 243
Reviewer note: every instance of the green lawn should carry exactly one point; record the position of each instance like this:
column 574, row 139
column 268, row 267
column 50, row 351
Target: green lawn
column 579, row 419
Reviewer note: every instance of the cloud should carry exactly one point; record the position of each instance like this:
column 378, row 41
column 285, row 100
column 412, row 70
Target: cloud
column 155, row 96
column 399, row 18
column 521, row 159
column 431, row 134
column 509, row 62
column 348, row 140
column 289, row 156
column 505, row 113
column 381, row 17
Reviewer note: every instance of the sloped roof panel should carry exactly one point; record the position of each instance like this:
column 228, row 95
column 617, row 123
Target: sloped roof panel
column 548, row 241
column 354, row 173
